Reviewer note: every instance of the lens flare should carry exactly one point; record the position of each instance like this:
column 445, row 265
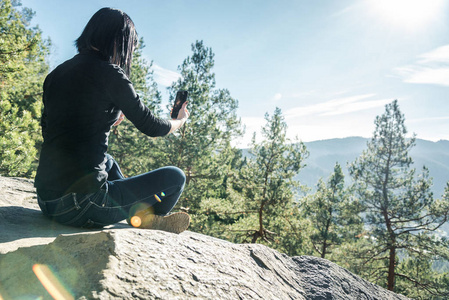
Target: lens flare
column 137, row 214
column 140, row 208
column 162, row 194
column 51, row 283
column 157, row 198
column 412, row 15
column 136, row 221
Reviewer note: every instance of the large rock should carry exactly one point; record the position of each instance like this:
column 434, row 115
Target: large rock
column 120, row 262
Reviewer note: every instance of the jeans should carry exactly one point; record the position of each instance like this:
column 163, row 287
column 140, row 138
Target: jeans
column 119, row 198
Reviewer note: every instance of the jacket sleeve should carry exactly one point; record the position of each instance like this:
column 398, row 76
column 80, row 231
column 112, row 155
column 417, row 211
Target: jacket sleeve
column 44, row 109
column 123, row 95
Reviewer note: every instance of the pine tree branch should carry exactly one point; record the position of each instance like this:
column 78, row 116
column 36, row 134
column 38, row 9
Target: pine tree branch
column 291, row 226
column 204, row 176
column 427, row 286
column 234, row 213
column 374, row 255
column 419, row 219
column 316, row 248
column 242, row 230
column 421, row 228
column 17, row 51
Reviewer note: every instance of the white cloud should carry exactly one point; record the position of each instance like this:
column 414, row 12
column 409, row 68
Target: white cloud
column 325, row 120
column 431, row 119
column 440, row 54
column 163, row 76
column 346, row 10
column 337, row 106
column 353, row 107
column 277, row 97
column 430, row 68
column 438, row 76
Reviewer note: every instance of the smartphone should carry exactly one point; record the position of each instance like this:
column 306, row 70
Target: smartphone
column 181, row 97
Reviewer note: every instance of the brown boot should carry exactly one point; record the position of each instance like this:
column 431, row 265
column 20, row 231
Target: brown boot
column 176, row 222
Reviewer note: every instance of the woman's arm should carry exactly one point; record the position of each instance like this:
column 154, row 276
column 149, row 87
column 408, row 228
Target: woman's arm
column 183, row 115
column 123, row 95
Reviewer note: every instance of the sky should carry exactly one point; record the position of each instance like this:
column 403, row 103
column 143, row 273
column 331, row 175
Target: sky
column 331, row 66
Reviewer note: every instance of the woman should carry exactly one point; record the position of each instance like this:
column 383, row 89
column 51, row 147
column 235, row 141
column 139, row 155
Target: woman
column 77, row 182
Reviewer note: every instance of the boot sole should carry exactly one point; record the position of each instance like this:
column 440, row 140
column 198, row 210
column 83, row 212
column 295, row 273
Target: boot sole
column 175, row 223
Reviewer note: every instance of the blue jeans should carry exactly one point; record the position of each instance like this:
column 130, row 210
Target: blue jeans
column 120, row 197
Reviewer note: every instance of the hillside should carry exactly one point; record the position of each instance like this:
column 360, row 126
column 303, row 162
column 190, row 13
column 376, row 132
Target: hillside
column 324, row 154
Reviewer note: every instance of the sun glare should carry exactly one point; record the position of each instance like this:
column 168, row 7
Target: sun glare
column 408, row 14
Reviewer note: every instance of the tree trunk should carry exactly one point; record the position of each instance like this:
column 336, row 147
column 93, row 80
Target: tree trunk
column 188, row 176
column 391, row 268
column 386, row 202
column 326, row 234
column 323, row 249
column 260, row 232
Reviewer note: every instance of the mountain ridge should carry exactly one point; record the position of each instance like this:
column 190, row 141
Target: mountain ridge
column 323, row 155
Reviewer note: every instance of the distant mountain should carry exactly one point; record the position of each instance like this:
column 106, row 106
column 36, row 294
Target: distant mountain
column 324, row 154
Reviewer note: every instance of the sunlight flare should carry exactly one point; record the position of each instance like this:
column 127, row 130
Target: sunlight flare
column 408, row 14
column 51, row 283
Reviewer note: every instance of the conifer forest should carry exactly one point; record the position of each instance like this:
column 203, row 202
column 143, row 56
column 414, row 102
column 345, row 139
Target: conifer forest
column 384, row 226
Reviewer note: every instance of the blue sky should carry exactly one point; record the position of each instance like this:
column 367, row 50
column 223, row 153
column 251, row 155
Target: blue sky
column 331, row 66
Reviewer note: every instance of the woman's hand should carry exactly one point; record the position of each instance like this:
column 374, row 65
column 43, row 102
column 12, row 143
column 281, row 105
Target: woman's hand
column 183, row 115
column 120, row 119
column 183, row 112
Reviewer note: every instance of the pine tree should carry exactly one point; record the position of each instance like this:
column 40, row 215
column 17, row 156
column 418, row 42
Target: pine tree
column 260, row 198
column 270, row 176
column 198, row 148
column 23, row 68
column 400, row 209
column 333, row 214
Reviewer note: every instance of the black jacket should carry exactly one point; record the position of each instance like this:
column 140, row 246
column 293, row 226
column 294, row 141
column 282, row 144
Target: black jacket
column 83, row 98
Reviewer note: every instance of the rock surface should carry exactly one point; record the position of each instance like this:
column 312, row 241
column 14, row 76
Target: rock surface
column 120, row 262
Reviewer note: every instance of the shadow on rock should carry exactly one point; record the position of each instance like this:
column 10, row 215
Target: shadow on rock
column 20, row 223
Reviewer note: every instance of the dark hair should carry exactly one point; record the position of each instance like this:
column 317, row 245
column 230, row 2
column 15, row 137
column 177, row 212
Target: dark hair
column 112, row 33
